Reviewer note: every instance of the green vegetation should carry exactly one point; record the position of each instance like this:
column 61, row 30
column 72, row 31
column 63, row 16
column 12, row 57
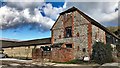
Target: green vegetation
column 22, row 58
column 102, row 53
column 113, row 28
column 75, row 61
column 118, row 50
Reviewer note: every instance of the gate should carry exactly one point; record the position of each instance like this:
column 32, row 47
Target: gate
column 39, row 55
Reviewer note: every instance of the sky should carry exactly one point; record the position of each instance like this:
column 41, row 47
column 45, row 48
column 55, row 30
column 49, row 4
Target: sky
column 32, row 19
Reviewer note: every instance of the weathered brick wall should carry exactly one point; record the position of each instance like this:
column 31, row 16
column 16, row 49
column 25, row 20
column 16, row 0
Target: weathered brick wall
column 62, row 54
column 57, row 55
column 36, row 54
column 39, row 55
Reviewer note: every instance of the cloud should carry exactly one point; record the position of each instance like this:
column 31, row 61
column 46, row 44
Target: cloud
column 103, row 12
column 10, row 17
column 52, row 12
column 23, row 5
column 92, row 0
column 17, row 14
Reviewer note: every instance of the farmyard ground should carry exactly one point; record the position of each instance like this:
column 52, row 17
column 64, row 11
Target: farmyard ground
column 16, row 63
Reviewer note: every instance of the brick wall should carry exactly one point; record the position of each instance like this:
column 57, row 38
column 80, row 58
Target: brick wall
column 62, row 54
column 57, row 55
column 39, row 55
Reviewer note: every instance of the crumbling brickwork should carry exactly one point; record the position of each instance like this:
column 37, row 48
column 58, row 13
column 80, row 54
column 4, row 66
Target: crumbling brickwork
column 62, row 54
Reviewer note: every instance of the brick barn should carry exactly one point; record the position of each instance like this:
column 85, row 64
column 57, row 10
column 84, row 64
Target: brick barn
column 74, row 33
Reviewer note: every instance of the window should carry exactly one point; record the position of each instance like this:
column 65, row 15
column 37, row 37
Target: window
column 59, row 36
column 54, row 39
column 68, row 45
column 78, row 48
column 84, row 49
column 46, row 48
column 68, row 32
column 77, row 34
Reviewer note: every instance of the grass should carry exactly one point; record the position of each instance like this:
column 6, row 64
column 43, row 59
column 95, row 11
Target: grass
column 76, row 61
column 22, row 58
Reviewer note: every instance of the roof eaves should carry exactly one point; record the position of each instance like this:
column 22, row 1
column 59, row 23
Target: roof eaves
column 97, row 24
column 55, row 22
column 69, row 10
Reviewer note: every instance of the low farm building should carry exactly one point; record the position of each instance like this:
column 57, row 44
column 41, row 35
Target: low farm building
column 72, row 37
column 23, row 49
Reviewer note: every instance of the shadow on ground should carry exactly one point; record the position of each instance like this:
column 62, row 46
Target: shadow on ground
column 36, row 66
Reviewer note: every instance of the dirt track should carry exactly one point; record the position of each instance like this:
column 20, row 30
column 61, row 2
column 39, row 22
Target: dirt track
column 14, row 64
column 28, row 64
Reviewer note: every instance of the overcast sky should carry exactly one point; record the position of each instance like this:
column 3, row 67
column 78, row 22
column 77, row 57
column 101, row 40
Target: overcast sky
column 33, row 20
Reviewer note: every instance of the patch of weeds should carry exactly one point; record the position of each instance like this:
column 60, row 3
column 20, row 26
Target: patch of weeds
column 22, row 58
column 75, row 61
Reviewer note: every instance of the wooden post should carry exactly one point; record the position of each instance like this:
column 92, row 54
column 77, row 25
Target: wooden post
column 42, row 57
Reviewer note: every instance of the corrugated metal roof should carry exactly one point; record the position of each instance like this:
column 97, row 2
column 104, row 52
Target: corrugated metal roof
column 5, row 43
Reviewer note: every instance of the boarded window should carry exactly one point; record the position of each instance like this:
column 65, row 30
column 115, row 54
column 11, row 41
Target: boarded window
column 68, row 32
column 68, row 45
